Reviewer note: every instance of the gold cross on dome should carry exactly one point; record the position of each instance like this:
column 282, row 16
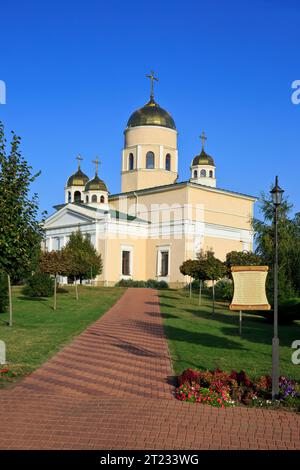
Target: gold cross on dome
column 152, row 78
column 79, row 159
column 203, row 139
column 97, row 163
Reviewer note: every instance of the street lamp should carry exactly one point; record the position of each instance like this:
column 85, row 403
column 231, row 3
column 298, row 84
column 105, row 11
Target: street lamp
column 276, row 193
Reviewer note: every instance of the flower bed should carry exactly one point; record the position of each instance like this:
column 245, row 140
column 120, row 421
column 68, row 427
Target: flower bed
column 6, row 375
column 221, row 389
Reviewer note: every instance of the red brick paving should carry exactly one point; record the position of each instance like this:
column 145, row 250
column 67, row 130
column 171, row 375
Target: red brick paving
column 111, row 388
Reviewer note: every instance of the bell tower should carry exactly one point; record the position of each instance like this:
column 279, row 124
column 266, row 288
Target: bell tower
column 150, row 156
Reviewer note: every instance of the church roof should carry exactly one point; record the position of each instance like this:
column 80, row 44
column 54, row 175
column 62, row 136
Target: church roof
column 203, row 159
column 182, row 184
column 151, row 115
column 95, row 184
column 78, row 179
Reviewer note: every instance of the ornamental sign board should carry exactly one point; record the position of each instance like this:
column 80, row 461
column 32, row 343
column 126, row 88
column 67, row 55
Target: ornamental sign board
column 249, row 288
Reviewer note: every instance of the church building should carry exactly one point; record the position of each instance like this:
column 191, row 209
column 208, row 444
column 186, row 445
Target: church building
column 157, row 221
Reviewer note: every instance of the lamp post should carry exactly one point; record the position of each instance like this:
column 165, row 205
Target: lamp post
column 276, row 193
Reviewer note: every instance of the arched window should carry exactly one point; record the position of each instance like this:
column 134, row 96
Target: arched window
column 203, row 173
column 94, row 198
column 130, row 162
column 69, row 196
column 102, row 199
column 150, row 160
column 195, row 174
column 77, row 196
column 168, row 162
column 211, row 174
column 87, row 199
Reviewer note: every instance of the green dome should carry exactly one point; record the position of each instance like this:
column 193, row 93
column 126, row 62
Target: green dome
column 203, row 159
column 96, row 184
column 77, row 179
column 151, row 115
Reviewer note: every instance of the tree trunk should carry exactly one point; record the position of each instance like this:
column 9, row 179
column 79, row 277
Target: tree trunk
column 213, row 290
column 190, row 287
column 10, row 323
column 76, row 288
column 55, row 294
column 200, row 293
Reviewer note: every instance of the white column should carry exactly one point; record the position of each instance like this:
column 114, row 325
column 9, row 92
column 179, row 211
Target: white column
column 161, row 156
column 138, row 157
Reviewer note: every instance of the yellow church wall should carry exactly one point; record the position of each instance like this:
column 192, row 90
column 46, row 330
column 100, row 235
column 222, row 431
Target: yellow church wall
column 143, row 178
column 221, row 246
column 221, row 208
column 150, row 135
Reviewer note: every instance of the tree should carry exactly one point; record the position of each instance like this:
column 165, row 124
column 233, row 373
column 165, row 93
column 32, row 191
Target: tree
column 242, row 258
column 54, row 263
column 189, row 268
column 85, row 262
column 211, row 268
column 289, row 246
column 20, row 231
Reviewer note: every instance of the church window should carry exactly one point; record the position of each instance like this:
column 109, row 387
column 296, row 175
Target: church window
column 195, row 174
column 102, row 199
column 77, row 196
column 203, row 173
column 168, row 162
column 69, row 196
column 126, row 263
column 150, row 160
column 94, row 198
column 211, row 175
column 130, row 162
column 164, row 271
column 87, row 199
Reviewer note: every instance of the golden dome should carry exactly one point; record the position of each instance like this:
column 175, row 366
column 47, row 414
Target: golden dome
column 96, row 184
column 151, row 115
column 78, row 179
column 203, row 159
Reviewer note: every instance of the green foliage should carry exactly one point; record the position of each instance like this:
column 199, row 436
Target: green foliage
column 3, row 292
column 151, row 283
column 224, row 290
column 242, row 258
column 83, row 260
column 39, row 285
column 289, row 247
column 210, row 268
column 20, row 232
column 54, row 262
column 190, row 267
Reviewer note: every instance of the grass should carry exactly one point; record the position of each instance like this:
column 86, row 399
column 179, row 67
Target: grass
column 198, row 339
column 39, row 332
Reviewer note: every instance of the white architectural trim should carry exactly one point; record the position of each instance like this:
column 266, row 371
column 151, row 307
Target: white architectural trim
column 161, row 156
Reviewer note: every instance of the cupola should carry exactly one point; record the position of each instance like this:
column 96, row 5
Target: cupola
column 203, row 169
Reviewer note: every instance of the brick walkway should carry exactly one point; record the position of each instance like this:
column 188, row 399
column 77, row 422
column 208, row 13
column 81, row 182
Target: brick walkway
column 111, row 388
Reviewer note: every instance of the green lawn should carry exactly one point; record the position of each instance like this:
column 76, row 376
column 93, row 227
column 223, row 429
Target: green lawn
column 201, row 340
column 39, row 332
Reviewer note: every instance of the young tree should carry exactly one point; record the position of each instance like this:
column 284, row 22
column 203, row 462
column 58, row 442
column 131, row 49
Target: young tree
column 189, row 268
column 20, row 231
column 211, row 268
column 86, row 261
column 55, row 263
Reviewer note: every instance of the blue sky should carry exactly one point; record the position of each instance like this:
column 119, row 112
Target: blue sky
column 75, row 71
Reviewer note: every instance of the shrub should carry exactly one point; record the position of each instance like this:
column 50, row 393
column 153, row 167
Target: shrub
column 3, row 292
column 151, row 283
column 224, row 290
column 39, row 285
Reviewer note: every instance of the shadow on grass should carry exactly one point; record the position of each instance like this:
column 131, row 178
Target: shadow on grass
column 192, row 337
column 36, row 299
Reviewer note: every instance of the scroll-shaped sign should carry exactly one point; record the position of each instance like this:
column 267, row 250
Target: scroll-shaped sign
column 2, row 353
column 249, row 288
